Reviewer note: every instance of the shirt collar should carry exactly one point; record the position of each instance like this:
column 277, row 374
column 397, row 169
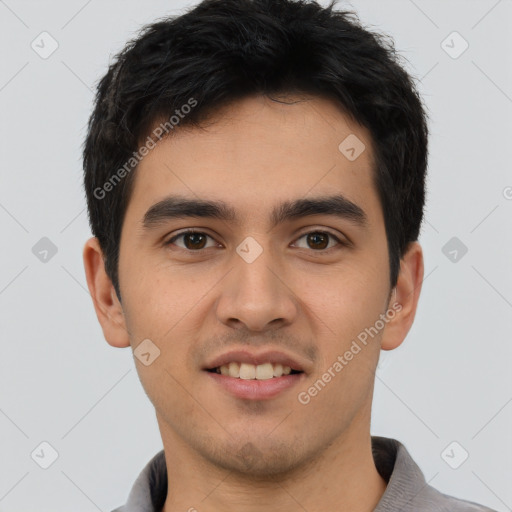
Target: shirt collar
column 403, row 476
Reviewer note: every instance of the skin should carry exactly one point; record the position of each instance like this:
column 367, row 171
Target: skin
column 222, row 452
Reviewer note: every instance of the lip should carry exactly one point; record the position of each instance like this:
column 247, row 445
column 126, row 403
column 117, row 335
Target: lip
column 256, row 358
column 256, row 389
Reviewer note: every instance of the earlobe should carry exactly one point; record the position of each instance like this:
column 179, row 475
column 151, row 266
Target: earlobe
column 404, row 300
column 106, row 304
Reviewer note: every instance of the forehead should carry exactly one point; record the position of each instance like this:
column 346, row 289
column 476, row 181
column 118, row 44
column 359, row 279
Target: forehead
column 257, row 153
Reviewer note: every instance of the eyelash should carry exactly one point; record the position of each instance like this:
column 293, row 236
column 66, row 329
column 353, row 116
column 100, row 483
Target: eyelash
column 199, row 251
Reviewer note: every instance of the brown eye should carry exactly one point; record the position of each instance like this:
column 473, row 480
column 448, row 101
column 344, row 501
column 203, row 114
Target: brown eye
column 191, row 240
column 320, row 240
column 194, row 240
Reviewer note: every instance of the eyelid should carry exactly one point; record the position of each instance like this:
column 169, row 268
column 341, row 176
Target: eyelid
column 339, row 236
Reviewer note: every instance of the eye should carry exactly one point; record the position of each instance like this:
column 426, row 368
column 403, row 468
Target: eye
column 192, row 240
column 319, row 240
column 195, row 241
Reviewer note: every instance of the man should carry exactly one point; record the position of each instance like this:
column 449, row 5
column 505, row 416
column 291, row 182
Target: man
column 255, row 173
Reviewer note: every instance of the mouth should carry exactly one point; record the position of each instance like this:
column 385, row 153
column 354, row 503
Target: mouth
column 252, row 376
column 247, row 371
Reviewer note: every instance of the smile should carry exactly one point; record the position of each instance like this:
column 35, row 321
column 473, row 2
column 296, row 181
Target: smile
column 249, row 371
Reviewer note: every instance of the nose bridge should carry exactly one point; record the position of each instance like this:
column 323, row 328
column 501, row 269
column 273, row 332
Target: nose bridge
column 254, row 294
column 252, row 264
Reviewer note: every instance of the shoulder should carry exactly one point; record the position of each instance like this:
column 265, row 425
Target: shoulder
column 407, row 489
column 446, row 503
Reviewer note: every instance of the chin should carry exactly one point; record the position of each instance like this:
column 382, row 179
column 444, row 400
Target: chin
column 263, row 460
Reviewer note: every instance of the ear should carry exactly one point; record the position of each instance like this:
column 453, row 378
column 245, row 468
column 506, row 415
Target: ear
column 108, row 308
column 405, row 297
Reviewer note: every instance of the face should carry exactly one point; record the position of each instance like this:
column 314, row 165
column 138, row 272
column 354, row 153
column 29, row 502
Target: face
column 252, row 286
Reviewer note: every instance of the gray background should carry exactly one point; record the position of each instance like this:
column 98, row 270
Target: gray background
column 60, row 382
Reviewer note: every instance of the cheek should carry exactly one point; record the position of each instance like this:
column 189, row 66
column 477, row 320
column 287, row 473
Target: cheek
column 345, row 300
column 154, row 293
column 169, row 308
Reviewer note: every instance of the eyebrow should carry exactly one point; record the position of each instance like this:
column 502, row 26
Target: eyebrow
column 177, row 207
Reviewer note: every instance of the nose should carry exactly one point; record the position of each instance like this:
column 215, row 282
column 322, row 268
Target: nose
column 256, row 295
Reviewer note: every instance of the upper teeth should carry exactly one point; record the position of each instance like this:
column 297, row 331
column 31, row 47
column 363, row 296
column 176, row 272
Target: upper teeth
column 250, row 371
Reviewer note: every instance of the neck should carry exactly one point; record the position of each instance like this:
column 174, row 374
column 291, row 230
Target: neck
column 343, row 477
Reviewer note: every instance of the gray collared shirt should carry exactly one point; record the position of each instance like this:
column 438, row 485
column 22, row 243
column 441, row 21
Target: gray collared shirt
column 407, row 490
